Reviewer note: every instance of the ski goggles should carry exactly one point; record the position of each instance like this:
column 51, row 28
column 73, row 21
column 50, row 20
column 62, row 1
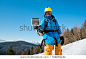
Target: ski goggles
column 48, row 13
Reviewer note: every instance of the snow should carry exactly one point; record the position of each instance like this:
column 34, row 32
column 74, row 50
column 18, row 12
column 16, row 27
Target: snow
column 75, row 48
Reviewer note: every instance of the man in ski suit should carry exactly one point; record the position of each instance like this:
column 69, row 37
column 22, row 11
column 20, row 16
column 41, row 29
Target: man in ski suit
column 50, row 24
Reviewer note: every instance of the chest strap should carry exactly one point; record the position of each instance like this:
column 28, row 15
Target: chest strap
column 46, row 31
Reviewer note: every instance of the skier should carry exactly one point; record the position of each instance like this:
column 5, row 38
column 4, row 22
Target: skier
column 51, row 32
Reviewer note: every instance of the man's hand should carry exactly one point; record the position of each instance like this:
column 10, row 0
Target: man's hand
column 62, row 40
column 35, row 27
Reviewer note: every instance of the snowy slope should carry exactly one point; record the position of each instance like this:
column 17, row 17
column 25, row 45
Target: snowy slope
column 75, row 48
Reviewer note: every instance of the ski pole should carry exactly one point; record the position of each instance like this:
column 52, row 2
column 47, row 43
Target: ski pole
column 44, row 46
column 55, row 42
column 43, row 43
column 44, row 50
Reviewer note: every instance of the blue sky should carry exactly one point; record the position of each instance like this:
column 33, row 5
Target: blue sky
column 16, row 13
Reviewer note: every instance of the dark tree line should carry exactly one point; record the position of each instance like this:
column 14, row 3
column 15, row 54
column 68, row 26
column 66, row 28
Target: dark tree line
column 35, row 50
column 31, row 51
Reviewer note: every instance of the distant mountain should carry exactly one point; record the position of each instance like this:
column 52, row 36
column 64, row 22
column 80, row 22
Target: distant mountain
column 1, row 40
column 37, row 43
column 17, row 46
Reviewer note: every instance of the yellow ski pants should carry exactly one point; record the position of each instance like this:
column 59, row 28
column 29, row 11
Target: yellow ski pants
column 49, row 48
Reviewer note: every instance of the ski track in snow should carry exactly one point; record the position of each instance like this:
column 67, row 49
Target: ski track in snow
column 75, row 48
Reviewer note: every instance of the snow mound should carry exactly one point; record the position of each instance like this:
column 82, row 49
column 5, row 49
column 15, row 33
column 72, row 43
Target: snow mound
column 75, row 48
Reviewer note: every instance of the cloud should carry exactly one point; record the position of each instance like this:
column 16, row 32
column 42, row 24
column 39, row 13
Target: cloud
column 34, row 42
column 9, row 40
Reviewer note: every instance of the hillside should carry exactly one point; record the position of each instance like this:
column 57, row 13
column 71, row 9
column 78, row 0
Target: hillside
column 17, row 46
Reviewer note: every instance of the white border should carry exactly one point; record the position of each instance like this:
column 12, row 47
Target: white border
column 42, row 56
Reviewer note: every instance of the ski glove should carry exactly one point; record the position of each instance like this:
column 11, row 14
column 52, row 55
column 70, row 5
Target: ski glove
column 62, row 40
column 35, row 27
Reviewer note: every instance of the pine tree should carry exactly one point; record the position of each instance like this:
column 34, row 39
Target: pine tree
column 28, row 53
column 43, row 48
column 36, row 51
column 38, row 48
column 11, row 51
column 83, row 30
column 85, row 26
column 72, row 31
column 31, row 51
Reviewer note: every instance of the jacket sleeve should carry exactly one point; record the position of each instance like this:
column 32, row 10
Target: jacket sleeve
column 58, row 28
column 42, row 25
